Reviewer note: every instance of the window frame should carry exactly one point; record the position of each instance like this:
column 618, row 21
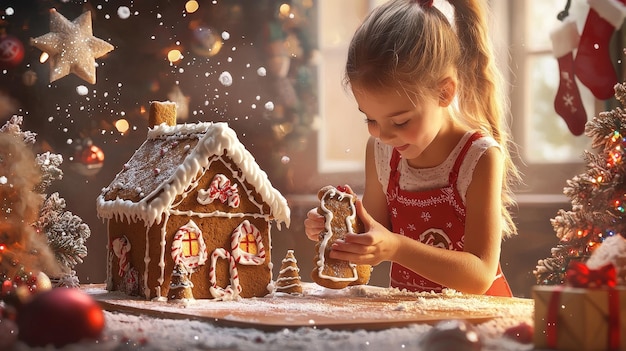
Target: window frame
column 540, row 180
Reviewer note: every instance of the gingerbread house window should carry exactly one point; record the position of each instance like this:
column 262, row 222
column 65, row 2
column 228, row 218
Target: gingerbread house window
column 247, row 244
column 190, row 244
column 188, row 247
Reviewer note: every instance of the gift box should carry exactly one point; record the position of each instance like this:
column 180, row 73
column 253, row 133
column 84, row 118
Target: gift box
column 573, row 318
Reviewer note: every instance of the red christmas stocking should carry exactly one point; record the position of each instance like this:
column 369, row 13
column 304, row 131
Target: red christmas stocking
column 593, row 63
column 567, row 102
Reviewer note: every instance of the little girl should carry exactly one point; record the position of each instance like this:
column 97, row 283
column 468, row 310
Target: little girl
column 437, row 171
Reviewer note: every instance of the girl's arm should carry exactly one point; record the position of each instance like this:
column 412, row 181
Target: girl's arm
column 469, row 271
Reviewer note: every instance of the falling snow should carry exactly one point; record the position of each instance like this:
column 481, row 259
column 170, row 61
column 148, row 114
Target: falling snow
column 198, row 73
column 82, row 90
column 226, row 79
column 123, row 12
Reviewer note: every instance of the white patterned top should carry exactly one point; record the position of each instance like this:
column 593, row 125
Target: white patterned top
column 418, row 179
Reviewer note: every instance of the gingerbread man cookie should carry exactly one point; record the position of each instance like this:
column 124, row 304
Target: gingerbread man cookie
column 337, row 205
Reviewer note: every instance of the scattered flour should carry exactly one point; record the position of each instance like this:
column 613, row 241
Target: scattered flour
column 141, row 332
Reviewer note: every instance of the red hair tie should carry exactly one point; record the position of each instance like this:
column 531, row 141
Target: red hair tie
column 425, row 3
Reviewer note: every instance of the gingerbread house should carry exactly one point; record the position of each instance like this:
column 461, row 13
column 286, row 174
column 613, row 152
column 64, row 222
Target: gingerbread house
column 191, row 196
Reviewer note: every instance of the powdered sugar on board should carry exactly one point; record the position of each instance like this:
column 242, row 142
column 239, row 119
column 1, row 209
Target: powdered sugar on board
column 147, row 331
column 360, row 307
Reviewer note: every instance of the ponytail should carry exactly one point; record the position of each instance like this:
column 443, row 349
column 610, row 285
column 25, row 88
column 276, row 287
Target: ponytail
column 483, row 102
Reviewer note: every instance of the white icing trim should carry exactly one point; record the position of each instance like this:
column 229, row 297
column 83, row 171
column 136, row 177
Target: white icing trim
column 289, row 268
column 162, row 245
column 110, row 255
column 215, row 139
column 244, row 257
column 286, row 287
column 328, row 214
column 229, row 215
column 146, row 262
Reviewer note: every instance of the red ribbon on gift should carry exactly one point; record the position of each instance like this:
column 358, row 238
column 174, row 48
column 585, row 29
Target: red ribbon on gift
column 580, row 276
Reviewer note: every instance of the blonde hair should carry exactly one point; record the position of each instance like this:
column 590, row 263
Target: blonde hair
column 402, row 44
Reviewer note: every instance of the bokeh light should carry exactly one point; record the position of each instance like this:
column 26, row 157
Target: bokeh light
column 122, row 125
column 174, row 55
column 191, row 6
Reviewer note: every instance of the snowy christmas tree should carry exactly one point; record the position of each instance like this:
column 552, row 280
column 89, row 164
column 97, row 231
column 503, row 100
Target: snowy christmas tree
column 598, row 196
column 37, row 233
column 180, row 285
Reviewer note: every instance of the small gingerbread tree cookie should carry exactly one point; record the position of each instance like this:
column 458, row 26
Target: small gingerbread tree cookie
column 180, row 285
column 289, row 280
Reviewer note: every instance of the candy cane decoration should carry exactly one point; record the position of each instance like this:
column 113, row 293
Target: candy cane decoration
column 221, row 189
column 234, row 289
column 131, row 281
column 242, row 256
column 121, row 248
column 184, row 235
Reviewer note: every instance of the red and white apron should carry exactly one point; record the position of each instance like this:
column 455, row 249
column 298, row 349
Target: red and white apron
column 434, row 217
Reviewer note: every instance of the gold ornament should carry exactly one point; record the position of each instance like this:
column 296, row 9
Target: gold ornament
column 72, row 47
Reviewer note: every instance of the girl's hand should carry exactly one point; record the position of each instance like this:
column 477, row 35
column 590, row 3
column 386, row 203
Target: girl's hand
column 375, row 245
column 313, row 224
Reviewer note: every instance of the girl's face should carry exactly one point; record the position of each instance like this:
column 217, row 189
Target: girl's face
column 400, row 120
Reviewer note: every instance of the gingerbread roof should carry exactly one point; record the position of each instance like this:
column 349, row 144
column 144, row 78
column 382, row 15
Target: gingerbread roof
column 167, row 163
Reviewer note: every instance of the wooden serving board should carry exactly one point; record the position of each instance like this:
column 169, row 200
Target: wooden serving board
column 335, row 311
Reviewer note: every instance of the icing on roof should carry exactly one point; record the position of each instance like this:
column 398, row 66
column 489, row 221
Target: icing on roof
column 191, row 147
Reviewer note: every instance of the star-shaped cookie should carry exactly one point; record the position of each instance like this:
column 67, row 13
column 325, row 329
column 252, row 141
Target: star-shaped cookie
column 72, row 47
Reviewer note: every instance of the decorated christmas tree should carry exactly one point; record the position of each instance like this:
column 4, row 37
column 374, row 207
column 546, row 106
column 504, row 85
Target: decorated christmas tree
column 289, row 280
column 598, row 196
column 36, row 233
column 180, row 285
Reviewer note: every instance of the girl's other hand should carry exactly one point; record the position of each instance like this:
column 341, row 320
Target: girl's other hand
column 313, row 224
column 375, row 245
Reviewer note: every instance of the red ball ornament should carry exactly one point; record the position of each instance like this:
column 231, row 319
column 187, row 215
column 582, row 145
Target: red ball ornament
column 92, row 156
column 59, row 317
column 88, row 159
column 11, row 51
column 7, row 288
